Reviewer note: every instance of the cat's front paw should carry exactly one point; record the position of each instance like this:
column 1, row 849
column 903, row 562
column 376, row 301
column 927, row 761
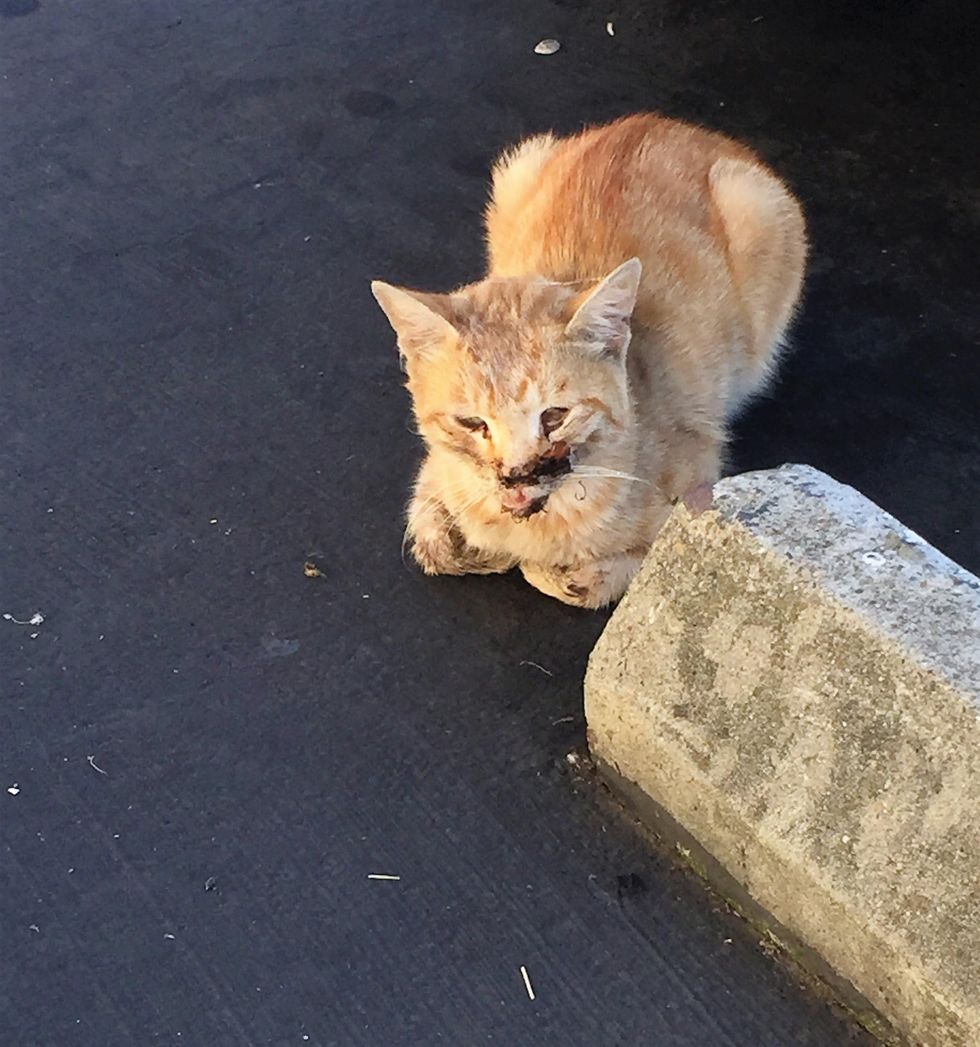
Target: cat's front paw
column 592, row 584
column 435, row 549
column 581, row 586
column 440, row 548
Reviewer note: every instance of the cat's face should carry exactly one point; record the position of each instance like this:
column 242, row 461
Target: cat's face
column 523, row 380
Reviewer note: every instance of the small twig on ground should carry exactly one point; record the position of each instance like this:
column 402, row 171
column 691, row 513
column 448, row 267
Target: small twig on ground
column 95, row 766
column 547, row 672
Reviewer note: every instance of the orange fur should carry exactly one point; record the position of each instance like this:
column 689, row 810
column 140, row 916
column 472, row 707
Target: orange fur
column 641, row 276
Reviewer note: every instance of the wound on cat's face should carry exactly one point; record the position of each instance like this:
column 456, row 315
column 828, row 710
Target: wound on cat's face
column 523, row 379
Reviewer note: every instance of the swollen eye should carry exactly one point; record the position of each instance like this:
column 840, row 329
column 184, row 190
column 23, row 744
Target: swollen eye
column 475, row 425
column 552, row 419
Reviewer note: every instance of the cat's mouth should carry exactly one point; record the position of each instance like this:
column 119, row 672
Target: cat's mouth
column 522, row 502
column 524, row 495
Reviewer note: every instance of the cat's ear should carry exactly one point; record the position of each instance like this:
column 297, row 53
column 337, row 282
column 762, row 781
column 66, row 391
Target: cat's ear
column 602, row 315
column 419, row 319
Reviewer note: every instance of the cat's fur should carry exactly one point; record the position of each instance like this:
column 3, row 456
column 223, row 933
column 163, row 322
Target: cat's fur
column 641, row 276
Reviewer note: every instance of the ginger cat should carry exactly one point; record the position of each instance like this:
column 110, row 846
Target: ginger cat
column 641, row 278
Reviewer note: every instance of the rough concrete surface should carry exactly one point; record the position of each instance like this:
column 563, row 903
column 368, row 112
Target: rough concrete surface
column 793, row 678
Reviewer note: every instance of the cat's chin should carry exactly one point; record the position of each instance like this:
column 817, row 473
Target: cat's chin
column 533, row 506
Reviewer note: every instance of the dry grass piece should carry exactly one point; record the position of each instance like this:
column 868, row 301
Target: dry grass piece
column 527, row 982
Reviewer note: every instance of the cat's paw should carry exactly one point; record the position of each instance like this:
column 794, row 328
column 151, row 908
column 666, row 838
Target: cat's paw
column 434, row 549
column 439, row 548
column 580, row 586
column 593, row 584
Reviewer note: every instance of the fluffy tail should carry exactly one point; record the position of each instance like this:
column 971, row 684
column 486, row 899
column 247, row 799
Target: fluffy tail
column 516, row 176
column 517, row 170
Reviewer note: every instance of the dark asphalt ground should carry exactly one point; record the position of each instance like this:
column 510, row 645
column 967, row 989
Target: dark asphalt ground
column 199, row 394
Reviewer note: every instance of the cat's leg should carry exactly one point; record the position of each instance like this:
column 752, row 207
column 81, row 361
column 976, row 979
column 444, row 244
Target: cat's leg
column 592, row 584
column 437, row 545
column 692, row 466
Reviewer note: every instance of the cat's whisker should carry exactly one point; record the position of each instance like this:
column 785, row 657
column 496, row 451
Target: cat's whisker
column 417, row 510
column 606, row 474
column 404, row 549
column 465, row 507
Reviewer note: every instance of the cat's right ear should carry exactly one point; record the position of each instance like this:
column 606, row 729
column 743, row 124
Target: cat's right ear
column 416, row 317
column 602, row 314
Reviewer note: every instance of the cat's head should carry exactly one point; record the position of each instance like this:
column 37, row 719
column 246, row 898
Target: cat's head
column 522, row 378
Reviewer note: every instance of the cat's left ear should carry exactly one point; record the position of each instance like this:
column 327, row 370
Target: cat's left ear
column 602, row 316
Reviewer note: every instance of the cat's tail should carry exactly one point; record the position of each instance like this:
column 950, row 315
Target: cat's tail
column 766, row 240
column 516, row 173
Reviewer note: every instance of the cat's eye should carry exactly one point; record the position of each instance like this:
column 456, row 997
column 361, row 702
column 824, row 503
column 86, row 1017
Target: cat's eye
column 475, row 425
column 552, row 419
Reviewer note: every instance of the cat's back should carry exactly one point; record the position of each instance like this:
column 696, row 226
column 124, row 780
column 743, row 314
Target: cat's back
column 571, row 207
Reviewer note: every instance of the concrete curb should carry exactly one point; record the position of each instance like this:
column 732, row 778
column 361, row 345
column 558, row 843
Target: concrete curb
column 792, row 683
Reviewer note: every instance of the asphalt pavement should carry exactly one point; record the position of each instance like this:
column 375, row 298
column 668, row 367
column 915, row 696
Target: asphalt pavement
column 206, row 753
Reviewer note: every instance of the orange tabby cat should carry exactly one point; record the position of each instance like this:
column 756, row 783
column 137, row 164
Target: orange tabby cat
column 641, row 278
